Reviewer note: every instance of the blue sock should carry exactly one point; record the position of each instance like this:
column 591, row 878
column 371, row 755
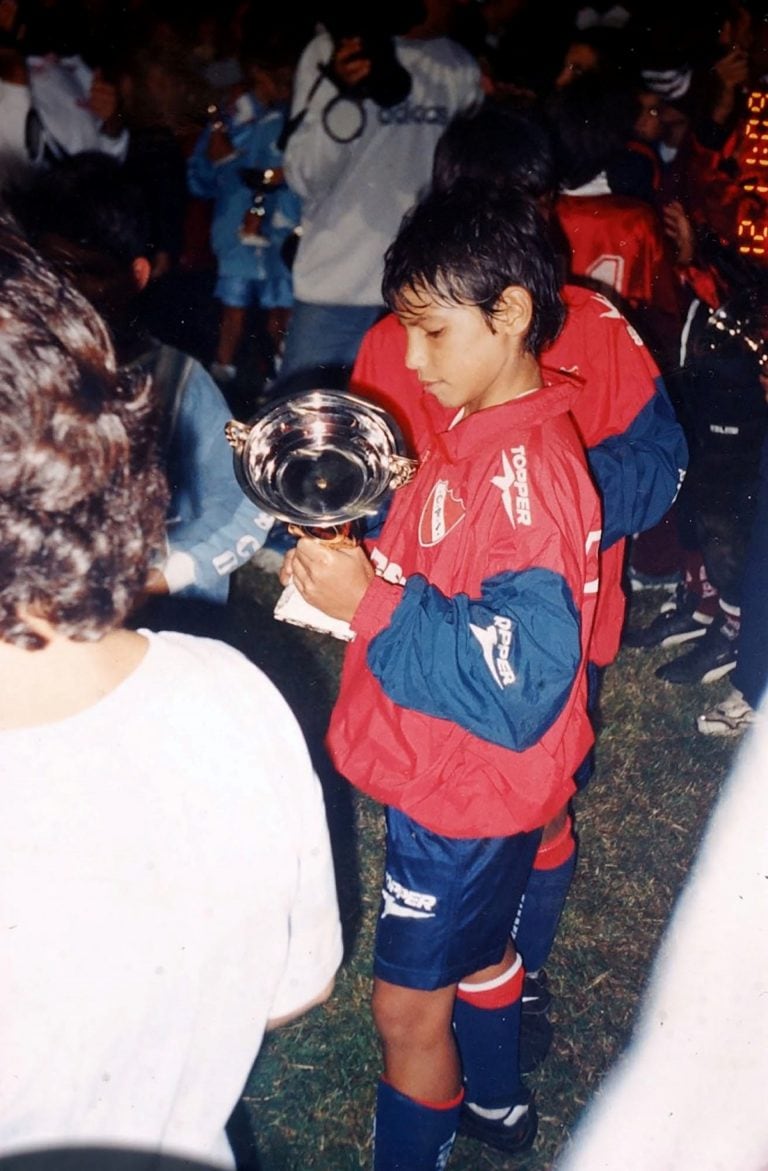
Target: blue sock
column 411, row 1135
column 541, row 907
column 486, row 1020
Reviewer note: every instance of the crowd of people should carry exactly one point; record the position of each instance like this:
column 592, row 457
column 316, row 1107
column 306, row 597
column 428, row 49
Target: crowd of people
column 536, row 236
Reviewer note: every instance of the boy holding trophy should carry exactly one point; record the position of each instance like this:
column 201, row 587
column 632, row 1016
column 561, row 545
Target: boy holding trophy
column 462, row 705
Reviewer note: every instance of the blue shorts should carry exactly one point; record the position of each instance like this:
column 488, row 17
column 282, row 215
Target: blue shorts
column 239, row 292
column 448, row 904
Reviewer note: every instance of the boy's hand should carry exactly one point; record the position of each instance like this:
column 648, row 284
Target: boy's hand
column 332, row 578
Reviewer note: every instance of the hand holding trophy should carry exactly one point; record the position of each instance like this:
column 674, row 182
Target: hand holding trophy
column 320, row 461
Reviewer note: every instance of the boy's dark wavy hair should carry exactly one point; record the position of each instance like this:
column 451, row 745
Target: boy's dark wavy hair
column 82, row 499
column 465, row 246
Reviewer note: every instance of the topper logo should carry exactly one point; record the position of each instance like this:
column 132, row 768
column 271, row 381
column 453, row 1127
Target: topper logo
column 404, row 903
column 496, row 644
column 514, row 486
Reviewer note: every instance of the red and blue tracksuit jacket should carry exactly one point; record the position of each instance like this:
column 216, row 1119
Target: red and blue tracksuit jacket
column 463, row 697
column 635, row 445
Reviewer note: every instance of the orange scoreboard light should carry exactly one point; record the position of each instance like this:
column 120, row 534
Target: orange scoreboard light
column 753, row 227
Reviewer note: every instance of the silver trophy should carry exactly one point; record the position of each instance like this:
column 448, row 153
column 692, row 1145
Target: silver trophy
column 320, row 461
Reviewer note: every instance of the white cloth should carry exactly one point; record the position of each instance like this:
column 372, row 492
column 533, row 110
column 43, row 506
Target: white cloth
column 356, row 193
column 691, row 1092
column 60, row 88
column 166, row 886
column 14, row 110
column 598, row 185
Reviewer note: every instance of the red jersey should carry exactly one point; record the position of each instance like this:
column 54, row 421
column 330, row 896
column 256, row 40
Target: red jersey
column 617, row 243
column 463, row 697
column 634, row 444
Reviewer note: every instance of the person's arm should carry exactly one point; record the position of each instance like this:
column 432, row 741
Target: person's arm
column 221, row 529
column 639, row 472
column 313, row 159
column 731, row 74
column 103, row 104
column 294, row 1014
column 201, row 170
column 635, row 445
column 500, row 664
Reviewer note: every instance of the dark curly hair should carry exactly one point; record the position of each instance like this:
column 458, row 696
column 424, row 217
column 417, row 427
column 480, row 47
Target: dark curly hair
column 82, row 499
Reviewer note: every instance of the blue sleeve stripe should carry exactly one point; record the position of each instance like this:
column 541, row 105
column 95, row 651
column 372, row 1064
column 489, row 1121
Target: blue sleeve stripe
column 639, row 472
column 501, row 666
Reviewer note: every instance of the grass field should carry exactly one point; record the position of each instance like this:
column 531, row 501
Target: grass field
column 309, row 1099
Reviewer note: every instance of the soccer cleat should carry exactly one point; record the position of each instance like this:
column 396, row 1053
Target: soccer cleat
column 511, row 1129
column 536, row 1033
column 711, row 659
column 536, row 995
column 536, row 1030
column 732, row 716
column 639, row 582
column 678, row 621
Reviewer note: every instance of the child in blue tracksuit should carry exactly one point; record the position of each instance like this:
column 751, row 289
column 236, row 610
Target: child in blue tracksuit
column 237, row 162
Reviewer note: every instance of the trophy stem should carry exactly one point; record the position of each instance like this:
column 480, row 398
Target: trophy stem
column 334, row 536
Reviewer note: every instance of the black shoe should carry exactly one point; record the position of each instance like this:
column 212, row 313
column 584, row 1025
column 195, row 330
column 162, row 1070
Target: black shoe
column 536, row 1030
column 712, row 658
column 536, row 995
column 514, row 1137
column 536, row 1035
column 678, row 621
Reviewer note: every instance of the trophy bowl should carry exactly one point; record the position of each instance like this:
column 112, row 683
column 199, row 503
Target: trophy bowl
column 319, row 460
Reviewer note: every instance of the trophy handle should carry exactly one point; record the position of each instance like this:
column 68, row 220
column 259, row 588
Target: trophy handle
column 402, row 470
column 334, row 536
column 237, row 433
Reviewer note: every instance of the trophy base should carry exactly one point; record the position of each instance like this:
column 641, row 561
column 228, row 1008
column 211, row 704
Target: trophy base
column 291, row 607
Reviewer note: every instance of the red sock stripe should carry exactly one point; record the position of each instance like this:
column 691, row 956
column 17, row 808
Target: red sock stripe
column 449, row 1105
column 557, row 850
column 500, row 996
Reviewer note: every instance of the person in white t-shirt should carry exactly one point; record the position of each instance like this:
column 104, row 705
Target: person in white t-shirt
column 166, row 881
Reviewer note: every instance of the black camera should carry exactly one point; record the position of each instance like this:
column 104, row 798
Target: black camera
column 388, row 83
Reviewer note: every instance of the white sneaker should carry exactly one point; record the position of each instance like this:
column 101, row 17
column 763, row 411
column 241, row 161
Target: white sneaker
column 730, row 717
